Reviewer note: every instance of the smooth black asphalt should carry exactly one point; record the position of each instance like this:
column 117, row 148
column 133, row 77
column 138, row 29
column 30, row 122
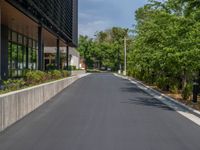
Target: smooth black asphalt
column 102, row 112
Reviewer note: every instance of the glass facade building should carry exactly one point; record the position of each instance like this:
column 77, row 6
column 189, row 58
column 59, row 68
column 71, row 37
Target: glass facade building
column 22, row 54
column 28, row 26
column 59, row 16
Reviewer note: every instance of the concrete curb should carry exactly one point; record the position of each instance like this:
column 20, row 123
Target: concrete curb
column 172, row 103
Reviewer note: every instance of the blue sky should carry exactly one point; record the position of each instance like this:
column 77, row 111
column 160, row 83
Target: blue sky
column 97, row 15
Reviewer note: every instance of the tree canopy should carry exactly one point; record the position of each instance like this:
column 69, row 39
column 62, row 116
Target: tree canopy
column 167, row 42
column 164, row 49
column 105, row 50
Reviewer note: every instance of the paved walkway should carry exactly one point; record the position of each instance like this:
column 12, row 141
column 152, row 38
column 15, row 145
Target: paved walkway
column 102, row 112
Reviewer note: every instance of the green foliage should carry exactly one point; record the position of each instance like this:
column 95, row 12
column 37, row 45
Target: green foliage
column 35, row 77
column 163, row 83
column 85, row 49
column 187, row 92
column 165, row 49
column 72, row 67
column 13, row 84
column 51, row 67
column 174, row 89
column 65, row 73
column 56, row 74
column 93, row 71
column 105, row 50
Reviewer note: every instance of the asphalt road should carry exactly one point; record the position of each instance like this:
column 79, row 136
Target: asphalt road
column 102, row 112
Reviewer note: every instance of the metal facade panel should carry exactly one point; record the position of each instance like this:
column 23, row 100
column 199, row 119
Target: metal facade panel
column 59, row 16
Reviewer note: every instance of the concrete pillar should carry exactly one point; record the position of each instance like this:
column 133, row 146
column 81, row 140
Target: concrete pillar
column 58, row 54
column 4, row 52
column 40, row 48
column 0, row 43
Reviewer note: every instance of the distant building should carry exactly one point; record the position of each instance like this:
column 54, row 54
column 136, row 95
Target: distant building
column 82, row 63
column 73, row 57
column 28, row 26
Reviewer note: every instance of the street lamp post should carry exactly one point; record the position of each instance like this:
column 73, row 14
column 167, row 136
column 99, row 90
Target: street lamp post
column 125, row 56
column 119, row 64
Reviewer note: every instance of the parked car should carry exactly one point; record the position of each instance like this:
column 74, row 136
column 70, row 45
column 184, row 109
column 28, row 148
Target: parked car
column 109, row 69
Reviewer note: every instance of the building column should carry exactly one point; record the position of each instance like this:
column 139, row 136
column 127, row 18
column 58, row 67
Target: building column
column 43, row 56
column 4, row 52
column 58, row 54
column 40, row 48
column 26, row 51
column 0, row 45
column 67, row 57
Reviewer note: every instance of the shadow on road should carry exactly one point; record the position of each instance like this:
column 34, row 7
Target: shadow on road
column 142, row 98
column 133, row 89
column 150, row 102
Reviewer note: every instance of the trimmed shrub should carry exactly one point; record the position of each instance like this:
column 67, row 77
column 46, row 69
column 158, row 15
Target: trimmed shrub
column 35, row 77
column 13, row 84
column 65, row 73
column 51, row 67
column 56, row 74
column 72, row 68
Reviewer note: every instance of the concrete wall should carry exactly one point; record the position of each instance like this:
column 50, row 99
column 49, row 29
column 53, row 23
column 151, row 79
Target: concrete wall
column 0, row 47
column 16, row 105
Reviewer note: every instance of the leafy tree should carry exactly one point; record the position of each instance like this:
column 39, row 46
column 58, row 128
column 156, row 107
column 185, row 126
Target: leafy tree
column 85, row 49
column 163, row 50
column 166, row 43
column 105, row 50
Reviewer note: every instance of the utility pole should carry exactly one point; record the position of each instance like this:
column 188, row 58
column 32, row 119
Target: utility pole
column 125, row 57
column 119, row 63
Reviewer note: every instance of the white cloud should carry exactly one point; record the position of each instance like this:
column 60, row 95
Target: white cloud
column 83, row 15
column 93, row 1
column 97, row 15
column 90, row 28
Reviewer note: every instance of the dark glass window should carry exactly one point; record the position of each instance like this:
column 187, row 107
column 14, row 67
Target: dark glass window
column 34, row 59
column 14, row 37
column 20, row 39
column 20, row 60
column 14, row 60
column 22, row 54
column 9, row 59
